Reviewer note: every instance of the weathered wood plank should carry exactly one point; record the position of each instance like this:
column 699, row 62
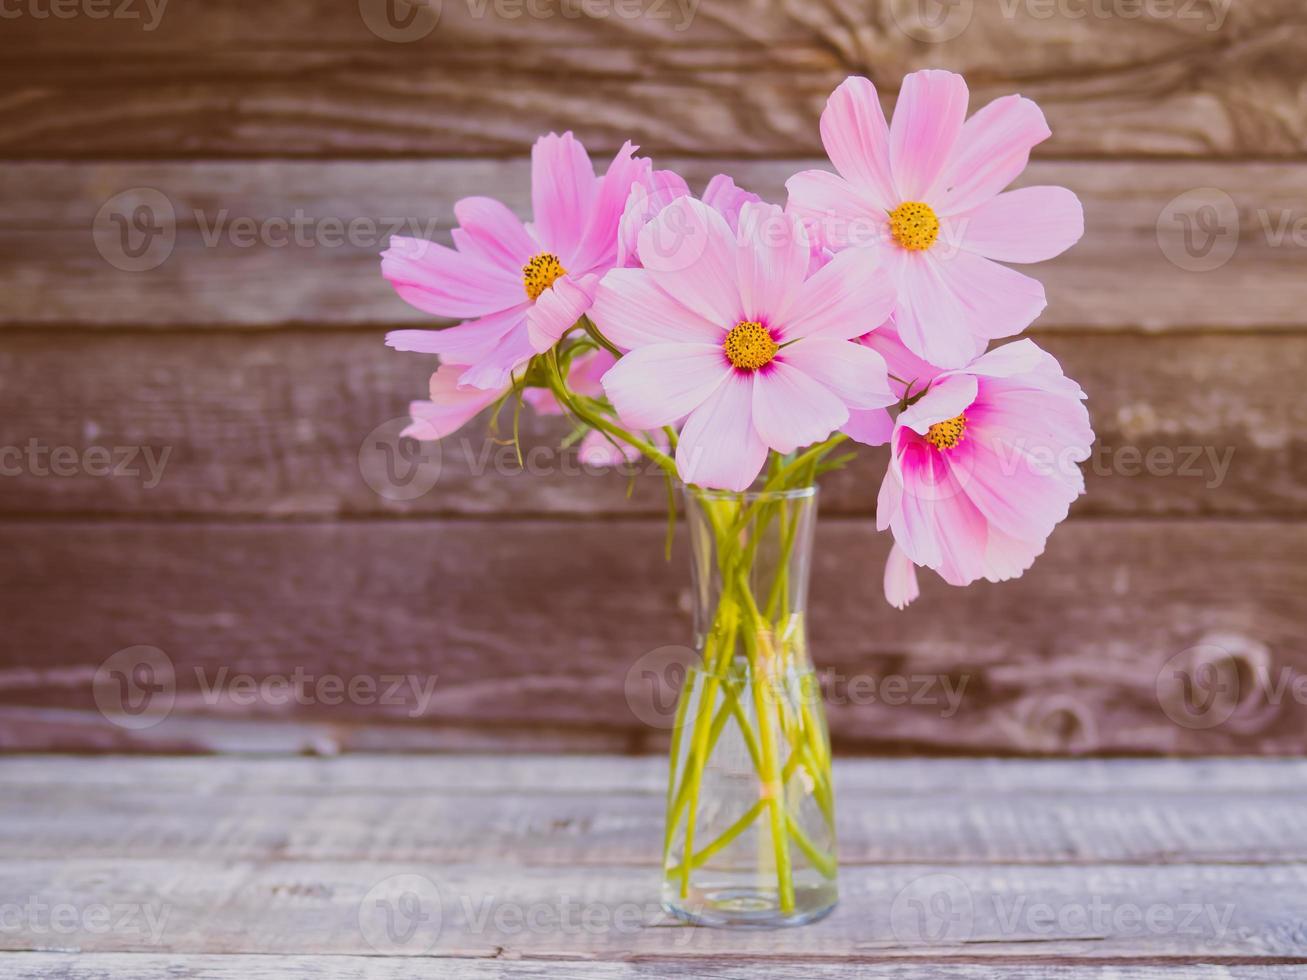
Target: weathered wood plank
column 239, row 78
column 879, row 824
column 149, row 966
column 1194, row 913
column 291, row 424
column 1089, row 652
column 256, row 244
column 596, row 775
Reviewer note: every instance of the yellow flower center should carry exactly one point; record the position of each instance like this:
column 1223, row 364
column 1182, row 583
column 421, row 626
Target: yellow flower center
column 914, row 225
column 540, row 273
column 947, row 434
column 749, row 345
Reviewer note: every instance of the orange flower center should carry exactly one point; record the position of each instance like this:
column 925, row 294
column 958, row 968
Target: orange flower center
column 914, row 225
column 541, row 273
column 749, row 345
column 947, row 434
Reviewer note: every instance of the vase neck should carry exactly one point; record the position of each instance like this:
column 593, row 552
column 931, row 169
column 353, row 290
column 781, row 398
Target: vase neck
column 750, row 555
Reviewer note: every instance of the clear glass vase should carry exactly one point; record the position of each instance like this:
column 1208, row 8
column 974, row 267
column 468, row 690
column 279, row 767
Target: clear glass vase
column 750, row 832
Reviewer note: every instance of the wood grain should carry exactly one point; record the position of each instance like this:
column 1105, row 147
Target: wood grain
column 1233, row 912
column 221, row 867
column 148, row 966
column 526, row 811
column 544, row 623
column 239, row 78
column 289, row 424
column 259, row 244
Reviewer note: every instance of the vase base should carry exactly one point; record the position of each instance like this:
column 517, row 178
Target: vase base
column 747, row 907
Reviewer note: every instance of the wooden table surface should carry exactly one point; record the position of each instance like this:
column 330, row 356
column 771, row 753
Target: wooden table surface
column 546, row 866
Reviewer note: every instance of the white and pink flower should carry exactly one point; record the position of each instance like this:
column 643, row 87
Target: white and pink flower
column 924, row 195
column 518, row 287
column 983, row 467
column 729, row 331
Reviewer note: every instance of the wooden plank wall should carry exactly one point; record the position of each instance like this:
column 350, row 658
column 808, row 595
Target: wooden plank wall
column 199, row 418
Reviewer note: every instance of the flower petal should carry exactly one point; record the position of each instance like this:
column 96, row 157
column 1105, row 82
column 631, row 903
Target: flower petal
column 992, row 150
column 690, row 252
column 563, row 187
column 996, row 301
column 724, row 197
column 772, row 259
column 439, row 280
column 631, row 311
column 871, row 427
column 791, row 409
column 947, row 398
column 856, row 138
column 557, row 309
column 467, row 343
column 450, row 408
column 1016, row 490
column 497, row 368
column 836, row 214
column 929, row 316
column 928, row 118
column 656, row 385
column 719, row 447
column 597, row 248
column 1007, row 557
column 846, row 298
column 852, row 371
column 489, row 227
column 1027, row 225
column 899, row 361
column 645, row 199
column 900, row 579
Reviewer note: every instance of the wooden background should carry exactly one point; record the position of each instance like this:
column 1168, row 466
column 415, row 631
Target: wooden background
column 274, row 145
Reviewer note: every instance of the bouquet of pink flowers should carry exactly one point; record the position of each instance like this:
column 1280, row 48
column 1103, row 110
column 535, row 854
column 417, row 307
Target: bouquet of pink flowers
column 736, row 344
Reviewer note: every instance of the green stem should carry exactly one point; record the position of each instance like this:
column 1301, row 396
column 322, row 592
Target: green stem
column 773, row 789
column 597, row 421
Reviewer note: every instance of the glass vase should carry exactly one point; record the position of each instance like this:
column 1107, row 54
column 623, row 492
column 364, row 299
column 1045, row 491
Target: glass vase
column 750, row 831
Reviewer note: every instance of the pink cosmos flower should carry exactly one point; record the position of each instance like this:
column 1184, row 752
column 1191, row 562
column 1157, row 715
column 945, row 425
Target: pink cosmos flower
column 983, row 467
column 518, row 287
column 923, row 193
column 730, row 331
